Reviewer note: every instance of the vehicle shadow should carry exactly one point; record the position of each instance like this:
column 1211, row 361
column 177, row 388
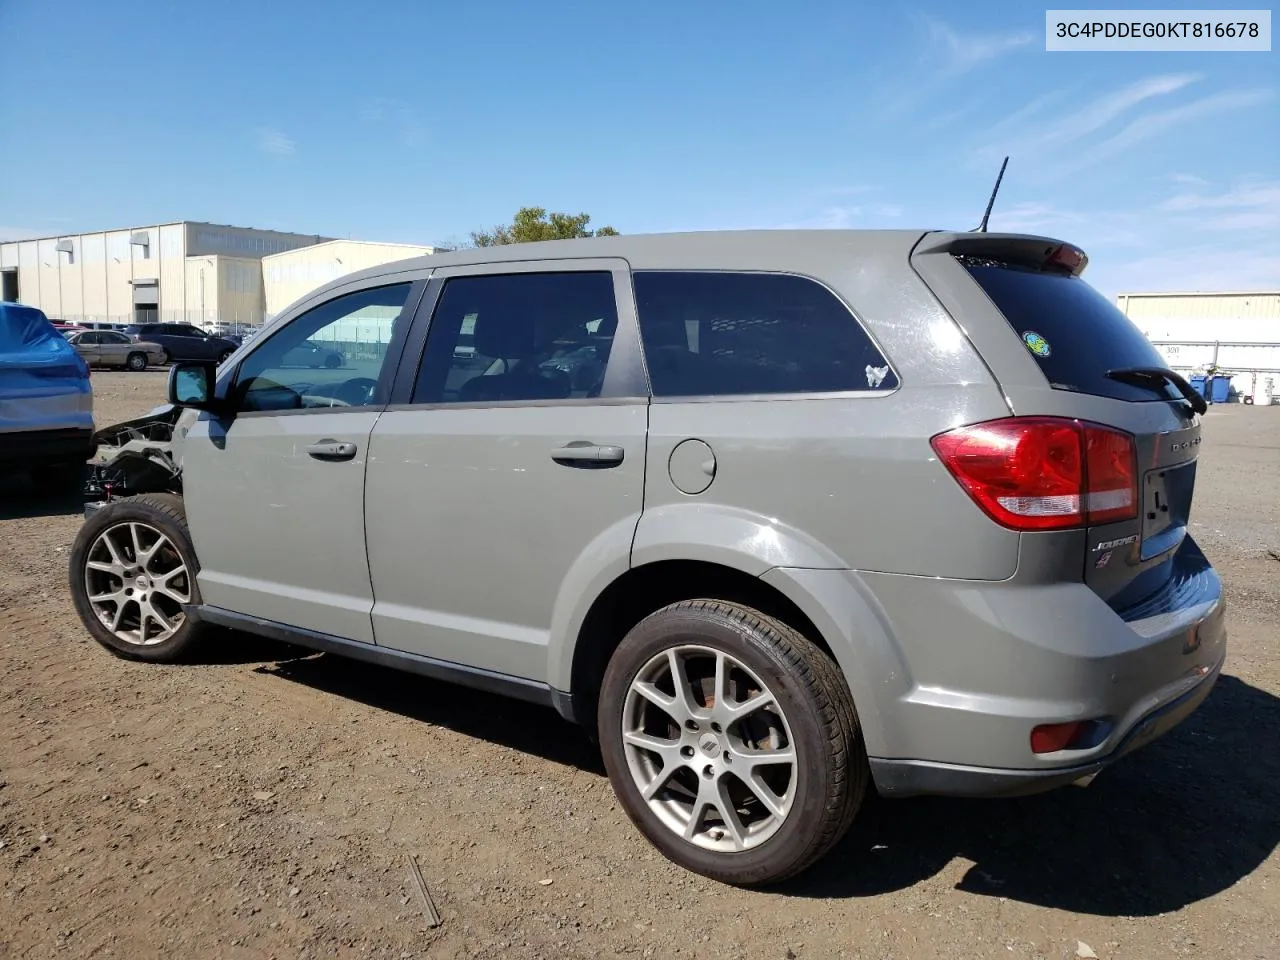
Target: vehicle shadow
column 526, row 727
column 1178, row 821
column 21, row 498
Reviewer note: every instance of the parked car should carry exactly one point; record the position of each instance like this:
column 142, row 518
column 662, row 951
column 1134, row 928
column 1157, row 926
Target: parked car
column 66, row 329
column 182, row 341
column 46, row 401
column 111, row 348
column 312, row 354
column 847, row 511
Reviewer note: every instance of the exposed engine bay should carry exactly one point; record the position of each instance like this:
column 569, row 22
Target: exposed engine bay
column 137, row 456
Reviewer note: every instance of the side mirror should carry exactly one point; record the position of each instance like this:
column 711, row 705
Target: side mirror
column 191, row 384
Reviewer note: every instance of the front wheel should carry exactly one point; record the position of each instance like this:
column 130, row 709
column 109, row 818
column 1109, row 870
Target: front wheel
column 731, row 741
column 133, row 571
column 137, row 362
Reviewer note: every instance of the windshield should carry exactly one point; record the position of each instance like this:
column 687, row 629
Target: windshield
column 1075, row 333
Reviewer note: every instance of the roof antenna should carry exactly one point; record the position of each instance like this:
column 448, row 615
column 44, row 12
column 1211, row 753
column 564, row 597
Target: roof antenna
column 982, row 227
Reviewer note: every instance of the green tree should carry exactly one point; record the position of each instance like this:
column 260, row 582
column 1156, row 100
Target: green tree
column 534, row 223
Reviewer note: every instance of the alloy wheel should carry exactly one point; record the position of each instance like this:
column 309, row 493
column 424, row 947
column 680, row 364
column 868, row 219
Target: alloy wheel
column 709, row 748
column 137, row 583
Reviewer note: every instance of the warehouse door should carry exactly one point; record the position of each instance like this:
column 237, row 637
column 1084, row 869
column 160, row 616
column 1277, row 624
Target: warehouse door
column 146, row 301
column 9, row 286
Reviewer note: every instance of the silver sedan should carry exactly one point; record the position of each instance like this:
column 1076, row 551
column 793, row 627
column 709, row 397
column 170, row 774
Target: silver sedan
column 110, row 348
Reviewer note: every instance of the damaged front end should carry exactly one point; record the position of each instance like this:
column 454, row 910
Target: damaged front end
column 137, row 456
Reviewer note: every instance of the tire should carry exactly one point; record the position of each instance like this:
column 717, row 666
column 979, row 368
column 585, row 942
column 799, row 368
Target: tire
column 137, row 362
column 332, row 361
column 151, row 514
column 166, row 357
column 808, row 707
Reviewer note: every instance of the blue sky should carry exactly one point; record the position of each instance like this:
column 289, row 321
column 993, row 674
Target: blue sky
column 418, row 122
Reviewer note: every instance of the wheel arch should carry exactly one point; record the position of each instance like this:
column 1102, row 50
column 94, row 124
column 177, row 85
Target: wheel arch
column 641, row 590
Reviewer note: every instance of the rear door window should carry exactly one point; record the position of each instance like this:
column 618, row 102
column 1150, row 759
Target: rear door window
column 1074, row 332
column 724, row 334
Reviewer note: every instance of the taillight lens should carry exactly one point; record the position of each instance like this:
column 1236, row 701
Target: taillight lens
column 1043, row 473
column 1111, row 474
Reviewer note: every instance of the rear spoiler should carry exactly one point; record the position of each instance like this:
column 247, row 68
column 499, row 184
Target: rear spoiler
column 1015, row 248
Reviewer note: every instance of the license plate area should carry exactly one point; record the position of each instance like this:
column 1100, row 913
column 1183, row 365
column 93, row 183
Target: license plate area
column 1166, row 507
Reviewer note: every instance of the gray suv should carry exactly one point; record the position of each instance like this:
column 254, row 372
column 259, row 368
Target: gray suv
column 828, row 512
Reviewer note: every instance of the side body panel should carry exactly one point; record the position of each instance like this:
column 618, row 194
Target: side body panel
column 850, row 475
column 281, row 533
column 475, row 531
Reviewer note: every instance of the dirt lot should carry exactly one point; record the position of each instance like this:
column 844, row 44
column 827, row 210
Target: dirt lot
column 263, row 806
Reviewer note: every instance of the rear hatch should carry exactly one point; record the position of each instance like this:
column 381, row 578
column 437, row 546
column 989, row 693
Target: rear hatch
column 1059, row 348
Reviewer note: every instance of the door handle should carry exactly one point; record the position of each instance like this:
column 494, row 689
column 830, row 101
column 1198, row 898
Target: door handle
column 583, row 453
column 331, row 450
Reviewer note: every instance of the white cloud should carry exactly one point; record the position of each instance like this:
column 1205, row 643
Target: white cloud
column 271, row 140
column 1196, row 268
column 845, row 217
column 1151, row 124
column 1187, row 178
column 1246, row 207
column 960, row 53
column 1089, row 229
column 1020, row 136
column 1111, row 106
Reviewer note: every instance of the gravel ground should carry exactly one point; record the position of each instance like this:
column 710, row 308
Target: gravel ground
column 264, row 805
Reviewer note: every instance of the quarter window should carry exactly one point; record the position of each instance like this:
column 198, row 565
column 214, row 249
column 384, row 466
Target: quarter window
column 333, row 355
column 725, row 334
column 525, row 336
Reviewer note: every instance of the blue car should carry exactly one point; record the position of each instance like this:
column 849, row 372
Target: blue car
column 46, row 401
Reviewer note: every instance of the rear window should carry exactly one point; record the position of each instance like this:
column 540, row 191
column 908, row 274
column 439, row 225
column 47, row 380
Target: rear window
column 1074, row 332
column 725, row 334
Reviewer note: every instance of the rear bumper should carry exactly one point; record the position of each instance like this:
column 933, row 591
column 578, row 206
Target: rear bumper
column 910, row 778
column 950, row 677
column 47, row 446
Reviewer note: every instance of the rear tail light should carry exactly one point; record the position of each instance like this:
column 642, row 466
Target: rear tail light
column 1044, row 473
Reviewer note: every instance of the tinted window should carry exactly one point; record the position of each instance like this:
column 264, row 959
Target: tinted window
column 529, row 336
column 333, row 355
column 712, row 334
column 86, row 338
column 1075, row 333
column 110, row 336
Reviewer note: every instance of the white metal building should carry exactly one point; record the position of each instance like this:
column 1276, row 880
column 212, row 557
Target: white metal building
column 292, row 274
column 1236, row 332
column 201, row 273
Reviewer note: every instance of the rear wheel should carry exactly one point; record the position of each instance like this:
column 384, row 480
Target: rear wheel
column 731, row 741
column 133, row 570
column 137, row 362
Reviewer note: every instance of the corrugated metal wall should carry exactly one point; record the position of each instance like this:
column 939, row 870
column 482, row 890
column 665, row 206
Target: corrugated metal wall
column 239, row 290
column 95, row 280
column 287, row 277
column 1218, row 316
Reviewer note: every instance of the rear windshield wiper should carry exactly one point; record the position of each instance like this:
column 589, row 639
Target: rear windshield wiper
column 1151, row 376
